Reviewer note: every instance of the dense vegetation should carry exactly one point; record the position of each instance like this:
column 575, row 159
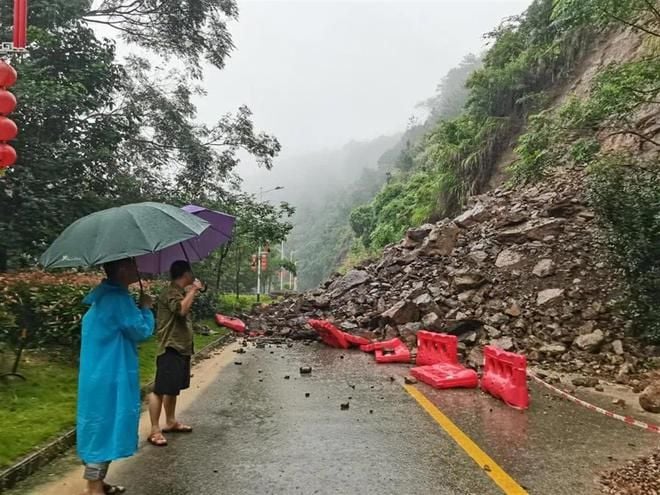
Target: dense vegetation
column 611, row 133
column 97, row 131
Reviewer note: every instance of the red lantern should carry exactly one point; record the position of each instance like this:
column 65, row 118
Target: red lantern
column 8, row 129
column 7, row 75
column 7, row 156
column 7, row 102
column 264, row 262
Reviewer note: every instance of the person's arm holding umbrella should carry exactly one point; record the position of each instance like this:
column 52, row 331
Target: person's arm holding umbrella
column 138, row 325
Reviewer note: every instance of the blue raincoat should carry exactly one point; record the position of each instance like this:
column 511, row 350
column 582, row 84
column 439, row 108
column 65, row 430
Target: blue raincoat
column 108, row 383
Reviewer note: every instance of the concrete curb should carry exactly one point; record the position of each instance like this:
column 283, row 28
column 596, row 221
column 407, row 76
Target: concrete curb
column 35, row 461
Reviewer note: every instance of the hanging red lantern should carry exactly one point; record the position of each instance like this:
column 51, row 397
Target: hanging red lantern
column 264, row 262
column 8, row 129
column 8, row 75
column 7, row 102
column 7, row 156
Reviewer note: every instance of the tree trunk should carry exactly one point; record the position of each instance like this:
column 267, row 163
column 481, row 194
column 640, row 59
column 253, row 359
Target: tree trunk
column 223, row 255
column 4, row 259
column 238, row 272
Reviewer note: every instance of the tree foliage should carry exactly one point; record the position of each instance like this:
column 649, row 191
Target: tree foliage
column 643, row 15
column 192, row 30
column 98, row 132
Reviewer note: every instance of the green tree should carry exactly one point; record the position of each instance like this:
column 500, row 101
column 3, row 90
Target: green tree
column 193, row 30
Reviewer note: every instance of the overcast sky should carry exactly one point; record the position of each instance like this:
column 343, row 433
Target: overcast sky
column 318, row 74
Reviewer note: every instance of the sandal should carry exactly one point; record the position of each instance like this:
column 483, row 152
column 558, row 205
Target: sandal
column 178, row 428
column 157, row 440
column 113, row 489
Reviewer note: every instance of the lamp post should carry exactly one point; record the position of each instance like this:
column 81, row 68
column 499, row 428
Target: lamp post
column 291, row 276
column 261, row 198
column 282, row 268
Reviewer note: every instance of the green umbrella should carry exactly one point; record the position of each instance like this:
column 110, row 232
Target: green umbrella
column 123, row 232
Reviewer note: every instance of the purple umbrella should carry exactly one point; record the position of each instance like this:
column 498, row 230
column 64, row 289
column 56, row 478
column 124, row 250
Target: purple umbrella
column 195, row 249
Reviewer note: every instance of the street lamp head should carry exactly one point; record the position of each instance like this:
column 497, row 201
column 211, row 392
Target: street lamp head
column 279, row 188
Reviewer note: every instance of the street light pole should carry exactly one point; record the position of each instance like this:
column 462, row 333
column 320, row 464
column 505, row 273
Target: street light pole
column 291, row 279
column 282, row 269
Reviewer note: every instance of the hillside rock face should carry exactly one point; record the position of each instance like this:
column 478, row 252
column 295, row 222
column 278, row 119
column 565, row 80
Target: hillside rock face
column 522, row 269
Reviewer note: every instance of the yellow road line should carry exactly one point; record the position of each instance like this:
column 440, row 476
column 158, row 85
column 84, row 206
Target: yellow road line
column 490, row 467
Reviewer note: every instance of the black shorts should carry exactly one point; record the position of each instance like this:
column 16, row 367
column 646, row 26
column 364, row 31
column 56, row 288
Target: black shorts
column 172, row 373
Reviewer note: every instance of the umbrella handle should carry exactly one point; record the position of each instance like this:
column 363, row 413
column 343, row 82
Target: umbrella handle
column 139, row 278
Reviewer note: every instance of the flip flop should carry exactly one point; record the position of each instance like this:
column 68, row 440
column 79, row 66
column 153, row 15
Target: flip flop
column 155, row 443
column 178, row 428
column 113, row 489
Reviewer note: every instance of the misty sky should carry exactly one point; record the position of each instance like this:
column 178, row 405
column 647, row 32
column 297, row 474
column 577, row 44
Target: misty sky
column 318, row 74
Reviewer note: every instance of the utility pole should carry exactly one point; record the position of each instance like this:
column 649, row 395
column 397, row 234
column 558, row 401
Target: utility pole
column 259, row 253
column 282, row 268
column 291, row 278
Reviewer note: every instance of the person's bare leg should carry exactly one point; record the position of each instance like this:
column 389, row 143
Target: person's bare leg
column 95, row 488
column 169, row 404
column 155, row 408
column 95, row 474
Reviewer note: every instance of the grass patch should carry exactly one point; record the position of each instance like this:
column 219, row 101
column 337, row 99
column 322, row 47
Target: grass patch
column 44, row 406
column 230, row 305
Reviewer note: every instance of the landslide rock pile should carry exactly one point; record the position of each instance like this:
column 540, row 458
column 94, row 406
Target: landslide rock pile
column 522, row 269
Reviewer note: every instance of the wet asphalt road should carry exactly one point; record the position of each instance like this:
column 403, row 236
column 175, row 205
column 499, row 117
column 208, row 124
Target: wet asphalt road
column 257, row 433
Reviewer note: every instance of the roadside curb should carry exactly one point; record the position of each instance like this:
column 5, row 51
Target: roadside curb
column 35, row 461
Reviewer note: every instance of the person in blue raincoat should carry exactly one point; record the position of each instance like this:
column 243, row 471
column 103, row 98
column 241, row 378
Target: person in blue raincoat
column 109, row 384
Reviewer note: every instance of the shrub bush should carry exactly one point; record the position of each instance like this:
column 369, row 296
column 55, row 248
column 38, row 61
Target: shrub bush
column 625, row 194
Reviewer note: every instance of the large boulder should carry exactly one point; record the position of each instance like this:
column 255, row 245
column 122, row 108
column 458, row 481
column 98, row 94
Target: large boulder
column 401, row 313
column 477, row 214
column 468, row 280
column 544, row 268
column 590, row 342
column 508, row 257
column 553, row 349
column 548, row 295
column 533, row 230
column 442, row 240
column 349, row 281
column 649, row 399
column 414, row 237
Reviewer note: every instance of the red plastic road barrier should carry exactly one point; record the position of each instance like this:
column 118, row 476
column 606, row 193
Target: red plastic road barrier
column 232, row 323
column 393, row 354
column 435, row 348
column 329, row 333
column 446, row 375
column 356, row 339
column 505, row 376
column 334, row 337
column 381, row 345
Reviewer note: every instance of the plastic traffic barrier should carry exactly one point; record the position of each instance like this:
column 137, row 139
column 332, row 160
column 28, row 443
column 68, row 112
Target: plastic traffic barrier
column 505, row 376
column 446, row 375
column 329, row 333
column 232, row 323
column 381, row 345
column 398, row 353
column 435, row 348
column 356, row 339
